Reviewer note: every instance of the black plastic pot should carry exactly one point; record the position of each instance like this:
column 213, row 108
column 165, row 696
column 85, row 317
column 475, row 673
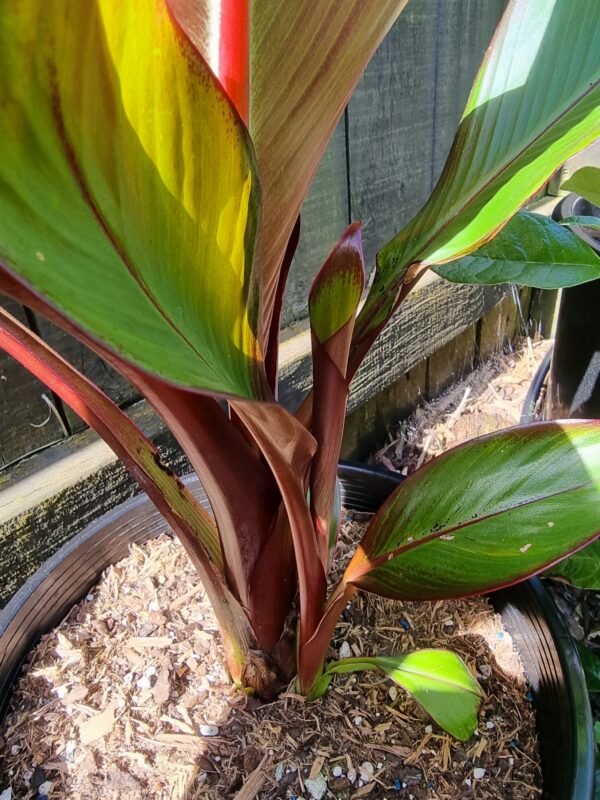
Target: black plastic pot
column 550, row 660
column 574, row 386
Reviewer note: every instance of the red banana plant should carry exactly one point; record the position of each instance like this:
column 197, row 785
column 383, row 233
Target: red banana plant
column 154, row 157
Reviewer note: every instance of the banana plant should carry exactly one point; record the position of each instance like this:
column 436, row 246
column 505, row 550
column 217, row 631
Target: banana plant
column 154, row 157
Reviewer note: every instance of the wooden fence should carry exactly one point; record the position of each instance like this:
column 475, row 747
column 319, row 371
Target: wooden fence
column 382, row 162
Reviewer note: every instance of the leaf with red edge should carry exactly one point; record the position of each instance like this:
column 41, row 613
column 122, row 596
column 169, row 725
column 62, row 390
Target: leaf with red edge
column 128, row 189
column 220, row 29
column 332, row 304
column 487, row 514
column 306, row 58
column 188, row 519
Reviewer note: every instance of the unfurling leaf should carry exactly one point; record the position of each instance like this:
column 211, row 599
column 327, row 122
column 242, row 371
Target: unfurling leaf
column 479, row 517
column 585, row 182
column 128, row 190
column 531, row 250
column 332, row 305
column 437, row 679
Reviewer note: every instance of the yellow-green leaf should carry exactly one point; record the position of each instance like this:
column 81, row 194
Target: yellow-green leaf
column 128, row 192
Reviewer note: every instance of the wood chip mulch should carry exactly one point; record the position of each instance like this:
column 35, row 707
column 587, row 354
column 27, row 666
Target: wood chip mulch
column 128, row 698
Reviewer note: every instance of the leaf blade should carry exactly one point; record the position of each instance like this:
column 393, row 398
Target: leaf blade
column 531, row 250
column 479, row 517
column 437, row 679
column 102, row 208
column 582, row 569
column 512, row 137
column 297, row 100
column 585, row 182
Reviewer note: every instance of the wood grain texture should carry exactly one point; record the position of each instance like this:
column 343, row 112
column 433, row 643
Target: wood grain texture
column 390, row 124
column 26, row 420
column 324, row 218
column 46, row 499
column 464, row 31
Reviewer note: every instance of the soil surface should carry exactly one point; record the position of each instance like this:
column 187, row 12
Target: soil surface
column 128, row 698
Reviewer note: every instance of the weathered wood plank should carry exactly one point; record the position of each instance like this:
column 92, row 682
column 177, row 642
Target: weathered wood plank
column 436, row 313
column 324, row 217
column 390, row 123
column 27, row 422
column 45, row 500
column 368, row 425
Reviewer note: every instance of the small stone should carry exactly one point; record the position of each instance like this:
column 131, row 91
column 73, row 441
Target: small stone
column 144, row 682
column 490, row 725
column 351, row 775
column 485, row 671
column 428, row 729
column 393, row 692
column 337, row 771
column 345, row 650
column 69, row 751
column 358, row 721
column 478, row 773
column 209, row 730
column 317, row 787
column 366, row 771
column 6, row 794
column 279, row 771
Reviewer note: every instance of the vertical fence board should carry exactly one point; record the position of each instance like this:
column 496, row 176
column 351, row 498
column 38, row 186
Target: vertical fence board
column 463, row 32
column 22, row 406
column 390, row 122
column 324, row 217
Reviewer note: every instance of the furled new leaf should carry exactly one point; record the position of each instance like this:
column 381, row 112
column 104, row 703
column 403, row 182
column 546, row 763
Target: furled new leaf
column 437, row 679
column 585, row 182
column 128, row 193
column 535, row 102
column 480, row 517
column 532, row 250
column 306, row 58
column 332, row 304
